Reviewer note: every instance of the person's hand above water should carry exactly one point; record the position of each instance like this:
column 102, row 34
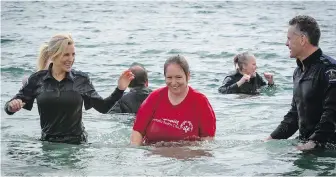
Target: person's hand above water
column 245, row 78
column 15, row 105
column 269, row 78
column 124, row 80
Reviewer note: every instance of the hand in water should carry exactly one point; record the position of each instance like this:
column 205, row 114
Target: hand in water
column 269, row 77
column 124, row 80
column 15, row 105
column 307, row 146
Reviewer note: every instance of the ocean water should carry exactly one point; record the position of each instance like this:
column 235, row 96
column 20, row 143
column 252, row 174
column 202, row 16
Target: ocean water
column 111, row 35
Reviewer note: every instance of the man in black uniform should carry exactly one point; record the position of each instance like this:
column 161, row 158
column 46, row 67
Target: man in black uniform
column 139, row 91
column 313, row 108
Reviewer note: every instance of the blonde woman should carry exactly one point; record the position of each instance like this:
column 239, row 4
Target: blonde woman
column 60, row 92
column 43, row 61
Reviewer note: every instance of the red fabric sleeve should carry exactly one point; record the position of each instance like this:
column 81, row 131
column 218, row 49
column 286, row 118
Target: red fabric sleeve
column 145, row 113
column 208, row 118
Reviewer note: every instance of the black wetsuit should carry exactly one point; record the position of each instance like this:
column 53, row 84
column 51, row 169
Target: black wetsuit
column 131, row 101
column 60, row 103
column 313, row 108
column 252, row 87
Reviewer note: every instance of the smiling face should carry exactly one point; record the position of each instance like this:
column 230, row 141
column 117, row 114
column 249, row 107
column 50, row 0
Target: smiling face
column 65, row 61
column 250, row 67
column 295, row 42
column 176, row 79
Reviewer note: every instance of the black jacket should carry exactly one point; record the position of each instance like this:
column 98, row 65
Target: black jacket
column 131, row 101
column 313, row 108
column 60, row 103
column 252, row 87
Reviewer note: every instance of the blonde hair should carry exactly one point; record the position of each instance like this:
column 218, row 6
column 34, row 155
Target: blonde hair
column 241, row 59
column 53, row 49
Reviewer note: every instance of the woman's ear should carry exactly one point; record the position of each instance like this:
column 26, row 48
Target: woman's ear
column 188, row 76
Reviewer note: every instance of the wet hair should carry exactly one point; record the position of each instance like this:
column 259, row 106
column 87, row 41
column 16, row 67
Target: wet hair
column 55, row 48
column 140, row 75
column 308, row 26
column 241, row 59
column 179, row 60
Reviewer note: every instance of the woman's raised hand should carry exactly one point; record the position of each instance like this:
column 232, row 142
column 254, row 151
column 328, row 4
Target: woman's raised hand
column 124, row 80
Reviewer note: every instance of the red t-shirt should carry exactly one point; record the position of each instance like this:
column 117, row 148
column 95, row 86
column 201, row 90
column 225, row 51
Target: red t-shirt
column 158, row 120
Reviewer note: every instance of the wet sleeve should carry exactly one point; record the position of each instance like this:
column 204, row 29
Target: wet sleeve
column 208, row 118
column 24, row 80
column 229, row 86
column 145, row 113
column 116, row 108
column 289, row 125
column 26, row 94
column 261, row 81
column 93, row 99
column 325, row 129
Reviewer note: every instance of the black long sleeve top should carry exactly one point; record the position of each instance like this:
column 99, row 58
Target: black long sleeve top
column 252, row 87
column 60, row 102
column 313, row 107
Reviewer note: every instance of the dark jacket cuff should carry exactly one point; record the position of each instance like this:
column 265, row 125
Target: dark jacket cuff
column 318, row 138
column 6, row 109
column 277, row 134
column 118, row 92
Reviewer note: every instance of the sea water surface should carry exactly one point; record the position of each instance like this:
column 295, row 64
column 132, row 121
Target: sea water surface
column 110, row 35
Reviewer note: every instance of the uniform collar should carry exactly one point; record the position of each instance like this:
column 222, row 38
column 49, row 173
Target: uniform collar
column 68, row 75
column 313, row 58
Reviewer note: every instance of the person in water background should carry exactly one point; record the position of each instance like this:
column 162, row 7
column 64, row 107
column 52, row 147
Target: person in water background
column 313, row 107
column 139, row 91
column 246, row 79
column 60, row 92
column 175, row 112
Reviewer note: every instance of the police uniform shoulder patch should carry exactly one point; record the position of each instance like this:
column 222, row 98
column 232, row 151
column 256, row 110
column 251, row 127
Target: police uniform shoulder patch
column 331, row 75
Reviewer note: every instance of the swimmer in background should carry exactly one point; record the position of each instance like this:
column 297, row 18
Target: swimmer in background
column 245, row 80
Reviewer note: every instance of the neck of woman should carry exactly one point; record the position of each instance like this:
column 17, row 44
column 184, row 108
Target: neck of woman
column 58, row 74
column 241, row 72
column 176, row 99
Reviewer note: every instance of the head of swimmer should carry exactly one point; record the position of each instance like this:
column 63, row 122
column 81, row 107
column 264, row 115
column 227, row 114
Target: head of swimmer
column 246, row 63
column 140, row 75
column 177, row 74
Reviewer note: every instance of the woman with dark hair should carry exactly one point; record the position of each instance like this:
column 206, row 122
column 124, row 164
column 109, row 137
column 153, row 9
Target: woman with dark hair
column 175, row 112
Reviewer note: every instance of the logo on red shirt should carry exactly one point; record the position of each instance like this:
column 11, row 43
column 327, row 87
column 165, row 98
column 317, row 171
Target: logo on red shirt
column 186, row 126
